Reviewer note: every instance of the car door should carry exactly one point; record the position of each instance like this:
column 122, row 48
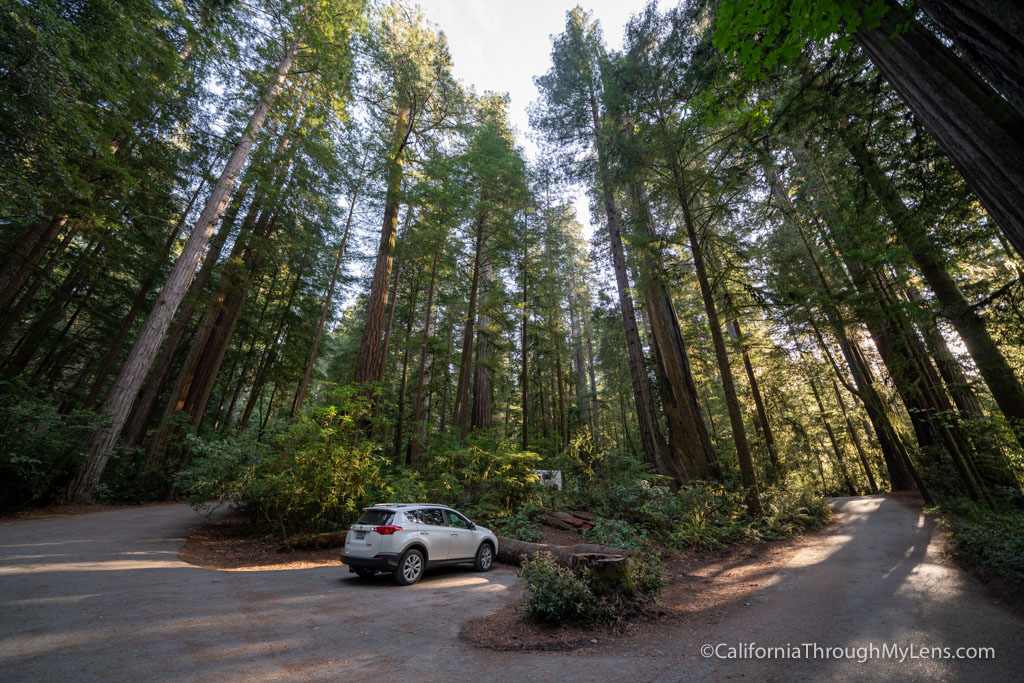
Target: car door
column 464, row 541
column 434, row 534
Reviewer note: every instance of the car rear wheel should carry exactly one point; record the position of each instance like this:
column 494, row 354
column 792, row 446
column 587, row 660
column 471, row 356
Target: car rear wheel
column 484, row 557
column 410, row 567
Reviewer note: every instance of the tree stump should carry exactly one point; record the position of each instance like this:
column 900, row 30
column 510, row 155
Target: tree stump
column 609, row 575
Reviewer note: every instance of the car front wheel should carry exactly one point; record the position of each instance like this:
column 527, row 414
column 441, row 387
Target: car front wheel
column 410, row 567
column 484, row 557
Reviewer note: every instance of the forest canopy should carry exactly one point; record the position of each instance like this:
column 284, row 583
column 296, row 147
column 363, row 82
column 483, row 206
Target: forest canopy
column 277, row 252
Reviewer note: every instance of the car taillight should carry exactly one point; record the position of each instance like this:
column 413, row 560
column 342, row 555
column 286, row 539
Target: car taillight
column 387, row 530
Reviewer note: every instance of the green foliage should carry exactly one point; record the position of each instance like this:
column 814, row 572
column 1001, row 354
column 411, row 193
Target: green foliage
column 762, row 34
column 521, row 524
column 40, row 448
column 556, row 594
column 483, row 475
column 993, row 538
column 319, row 475
column 616, row 533
column 644, row 569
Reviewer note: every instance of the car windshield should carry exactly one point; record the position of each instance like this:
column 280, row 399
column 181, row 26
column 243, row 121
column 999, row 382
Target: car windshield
column 375, row 517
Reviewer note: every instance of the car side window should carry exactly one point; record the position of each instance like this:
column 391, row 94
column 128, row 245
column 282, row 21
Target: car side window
column 432, row 517
column 413, row 516
column 456, row 520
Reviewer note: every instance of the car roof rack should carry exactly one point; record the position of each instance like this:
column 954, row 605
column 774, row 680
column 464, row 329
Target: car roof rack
column 408, row 505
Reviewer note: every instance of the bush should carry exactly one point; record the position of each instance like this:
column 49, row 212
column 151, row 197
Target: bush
column 40, row 448
column 485, row 476
column 521, row 525
column 556, row 594
column 645, row 570
column 322, row 472
column 993, row 538
column 616, row 533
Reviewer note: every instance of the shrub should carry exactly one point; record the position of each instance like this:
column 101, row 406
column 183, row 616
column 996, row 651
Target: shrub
column 645, row 570
column 486, row 476
column 521, row 525
column 993, row 538
column 556, row 594
column 40, row 448
column 616, row 533
column 321, row 473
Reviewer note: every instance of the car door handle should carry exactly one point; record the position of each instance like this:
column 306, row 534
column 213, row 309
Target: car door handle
column 455, row 533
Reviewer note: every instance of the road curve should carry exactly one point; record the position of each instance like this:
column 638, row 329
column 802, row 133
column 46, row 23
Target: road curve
column 104, row 596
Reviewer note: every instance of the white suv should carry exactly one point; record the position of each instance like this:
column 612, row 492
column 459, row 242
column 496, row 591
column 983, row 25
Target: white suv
column 407, row 538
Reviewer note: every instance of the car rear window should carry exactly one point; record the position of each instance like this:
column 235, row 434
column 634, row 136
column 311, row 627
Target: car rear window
column 429, row 516
column 375, row 517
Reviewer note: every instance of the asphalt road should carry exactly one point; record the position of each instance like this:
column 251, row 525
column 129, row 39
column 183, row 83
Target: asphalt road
column 104, row 596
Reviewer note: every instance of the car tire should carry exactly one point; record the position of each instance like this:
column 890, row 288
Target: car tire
column 410, row 567
column 365, row 573
column 484, row 557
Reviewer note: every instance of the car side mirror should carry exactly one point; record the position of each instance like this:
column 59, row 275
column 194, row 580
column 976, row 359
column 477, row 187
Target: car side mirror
column 472, row 526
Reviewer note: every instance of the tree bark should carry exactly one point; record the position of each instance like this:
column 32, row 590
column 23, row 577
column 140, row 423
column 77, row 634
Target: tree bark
column 990, row 35
column 462, row 408
column 371, row 347
column 739, row 432
column 998, row 375
column 982, row 134
column 483, row 408
column 300, row 394
column 651, row 440
column 733, row 327
column 126, row 387
column 419, row 429
column 693, row 456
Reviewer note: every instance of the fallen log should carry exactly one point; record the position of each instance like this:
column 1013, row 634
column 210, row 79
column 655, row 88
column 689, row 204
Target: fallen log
column 330, row 539
column 512, row 551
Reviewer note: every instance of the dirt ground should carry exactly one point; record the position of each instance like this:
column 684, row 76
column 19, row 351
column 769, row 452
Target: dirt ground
column 695, row 584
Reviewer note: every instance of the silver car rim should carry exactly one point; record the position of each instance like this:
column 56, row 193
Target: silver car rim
column 485, row 557
column 412, row 567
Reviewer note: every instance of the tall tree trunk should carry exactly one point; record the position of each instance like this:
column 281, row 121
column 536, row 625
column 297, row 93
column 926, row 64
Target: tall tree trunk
column 524, row 378
column 462, row 407
column 733, row 327
column 987, row 356
column 990, row 36
column 693, row 456
column 28, row 252
column 854, row 438
column 580, row 375
column 300, row 394
column 126, row 387
column 739, row 432
column 483, row 408
column 371, row 347
column 982, row 134
column 107, row 363
column 404, row 378
column 832, row 438
column 13, row 314
column 147, row 401
column 651, row 440
column 419, row 428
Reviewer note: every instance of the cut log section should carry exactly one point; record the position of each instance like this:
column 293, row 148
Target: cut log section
column 568, row 521
column 512, row 551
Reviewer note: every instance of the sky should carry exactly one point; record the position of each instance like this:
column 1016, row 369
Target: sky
column 500, row 45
